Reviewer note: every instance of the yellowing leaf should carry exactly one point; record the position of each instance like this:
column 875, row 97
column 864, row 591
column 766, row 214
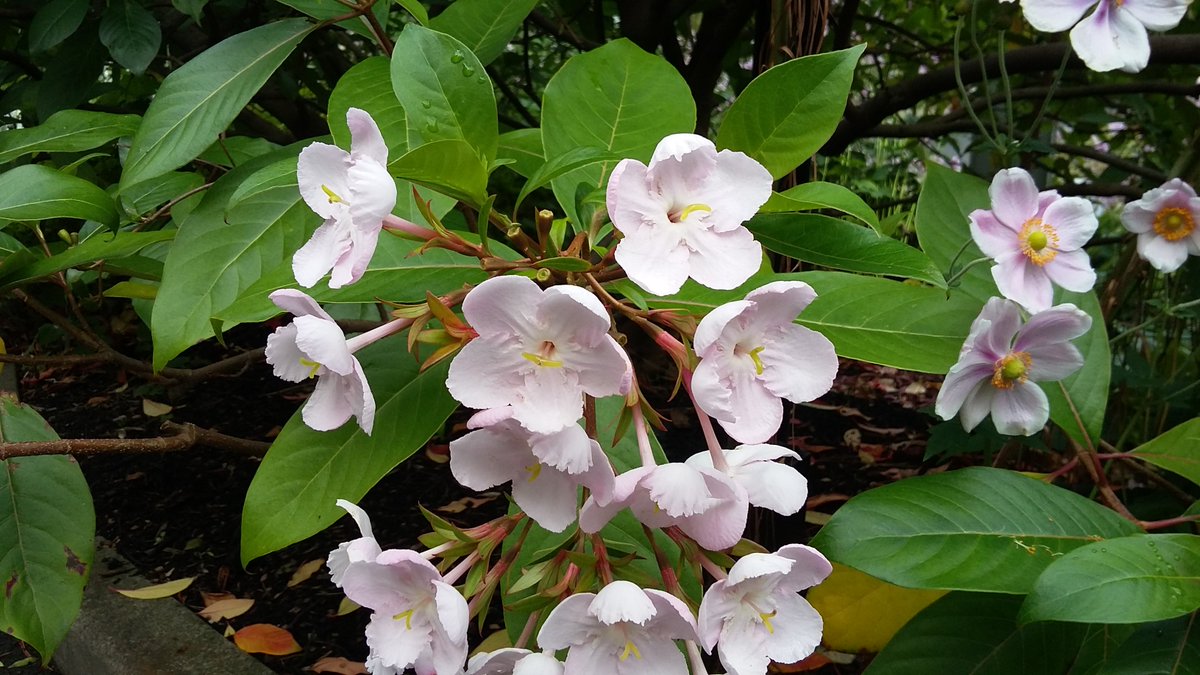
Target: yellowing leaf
column 862, row 613
column 305, row 571
column 263, row 638
column 164, row 590
column 226, row 609
column 154, row 408
column 338, row 665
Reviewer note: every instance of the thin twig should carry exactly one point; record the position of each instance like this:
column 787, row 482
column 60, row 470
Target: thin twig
column 184, row 437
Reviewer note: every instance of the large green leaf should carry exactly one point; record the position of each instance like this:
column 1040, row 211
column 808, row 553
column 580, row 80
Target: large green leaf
column 978, row 634
column 484, row 26
column 562, row 164
column 1148, row 577
column 131, row 34
column 976, row 529
column 444, row 90
column 66, row 131
column 524, row 148
column 55, row 22
column 220, row 251
column 450, row 167
column 943, row 229
column 305, row 472
column 1087, row 388
column 617, row 98
column 368, row 86
column 150, row 194
column 198, row 101
column 821, row 195
column 98, row 247
column 47, row 528
column 396, row 273
column 841, row 245
column 322, row 10
column 36, row 192
column 1177, row 450
column 786, row 114
column 1163, row 648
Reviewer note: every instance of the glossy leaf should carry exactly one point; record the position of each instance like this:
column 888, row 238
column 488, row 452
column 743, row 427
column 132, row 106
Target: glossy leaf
column 305, row 472
column 100, row 247
column 613, row 98
column 560, row 165
column 450, row 167
column 979, row 529
column 36, row 192
column 66, row 131
column 147, row 195
column 131, row 34
column 943, row 229
column 444, row 90
column 323, row 10
column 1177, row 450
column 47, row 529
column 821, row 195
column 841, row 245
column 1087, row 388
column 484, row 26
column 1148, row 577
column 367, row 86
column 861, row 613
column 524, row 148
column 786, row 114
column 56, row 21
column 197, row 101
column 1163, row 648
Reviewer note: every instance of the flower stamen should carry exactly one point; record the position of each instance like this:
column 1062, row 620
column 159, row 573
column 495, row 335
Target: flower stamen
column 1011, row 369
column 1174, row 224
column 1039, row 241
column 766, row 619
column 534, row 470
column 754, row 356
column 689, row 210
column 630, row 648
column 334, row 198
column 544, row 356
column 407, row 616
column 313, row 367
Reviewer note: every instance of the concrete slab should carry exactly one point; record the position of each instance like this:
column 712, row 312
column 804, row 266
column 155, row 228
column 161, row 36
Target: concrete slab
column 115, row 635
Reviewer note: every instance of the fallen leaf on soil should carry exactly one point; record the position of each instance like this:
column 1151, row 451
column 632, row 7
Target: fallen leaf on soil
column 229, row 631
column 338, row 665
column 263, row 638
column 813, row 662
column 210, row 598
column 346, row 606
column 862, row 613
column 817, row 500
column 816, row 518
column 460, row 505
column 157, row 591
column 154, row 408
column 305, row 571
column 226, row 609
column 438, row 453
column 95, row 401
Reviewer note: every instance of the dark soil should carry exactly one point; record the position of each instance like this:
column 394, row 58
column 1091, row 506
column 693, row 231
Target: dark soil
column 177, row 515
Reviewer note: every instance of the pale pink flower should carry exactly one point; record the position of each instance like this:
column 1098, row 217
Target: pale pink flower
column 546, row 470
column 1165, row 220
column 314, row 346
column 353, row 192
column 513, row 661
column 1114, row 36
column 1001, row 362
column 768, row 484
column 419, row 621
column 681, row 215
column 1036, row 240
column 538, row 352
column 756, row 615
column 752, row 355
column 707, row 505
column 622, row 630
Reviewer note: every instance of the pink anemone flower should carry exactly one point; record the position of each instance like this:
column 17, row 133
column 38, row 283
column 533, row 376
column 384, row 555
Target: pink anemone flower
column 1165, row 221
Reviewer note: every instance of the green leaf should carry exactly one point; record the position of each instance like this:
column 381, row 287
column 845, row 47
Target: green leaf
column 192, row 8
column 72, row 74
column 821, row 195
column 1088, row 386
column 323, row 10
column 565, row 264
column 450, row 167
column 943, row 229
column 786, row 114
column 36, row 192
column 563, row 164
column 396, row 273
column 198, row 101
column 484, row 26
column 218, row 254
column 416, row 9
column 978, row 529
column 56, row 21
column 978, row 634
column 1177, row 450
column 99, row 247
column 294, row 491
column 1146, row 577
column 617, row 98
column 523, row 148
column 444, row 90
column 141, row 198
column 47, row 529
column 1164, row 648
column 131, row 34
column 66, row 131
column 835, row 243
column 367, row 86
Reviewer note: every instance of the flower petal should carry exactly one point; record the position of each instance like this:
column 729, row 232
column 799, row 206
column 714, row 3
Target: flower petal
column 503, row 307
column 549, row 400
column 538, row 664
column 599, row 477
column 799, row 364
column 569, row 623
column 757, row 412
column 320, row 253
column 1023, row 282
column 654, row 258
column 1137, row 218
column 1020, row 411
column 677, row 145
column 329, row 405
column 714, row 328
column 549, row 497
column 1157, row 14
column 679, row 490
column 360, row 517
column 394, row 645
column 720, row 526
column 778, row 304
column 1074, row 219
column 1014, row 197
column 977, row 406
column 735, row 190
column 361, row 399
column 631, row 206
column 453, row 616
column 621, row 600
column 485, row 373
column 718, row 603
column 486, row 458
column 657, row 656
column 797, row 629
column 324, row 342
column 284, row 356
column 366, row 142
column 672, row 618
column 1165, row 256
column 1072, row 270
column 723, row 260
column 774, row 486
column 1057, row 324
column 992, row 237
column 1054, row 362
column 810, row 568
column 1053, row 16
column 1109, row 39
column 568, row 450
column 960, row 382
column 679, row 172
column 603, row 369
column 298, row 303
column 993, row 330
column 742, row 646
column 322, row 169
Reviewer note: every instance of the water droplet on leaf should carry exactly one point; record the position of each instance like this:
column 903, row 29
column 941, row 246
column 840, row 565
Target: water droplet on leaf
column 427, row 104
column 457, row 56
column 467, row 70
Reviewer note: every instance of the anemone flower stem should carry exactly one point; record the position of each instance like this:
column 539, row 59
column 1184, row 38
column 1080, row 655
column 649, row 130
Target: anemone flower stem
column 987, row 83
column 376, row 334
column 711, row 567
column 962, row 88
column 461, row 568
column 430, row 554
column 397, row 224
column 710, row 436
column 959, row 274
column 527, row 631
column 1058, row 75
column 693, row 652
column 1007, row 86
column 645, row 451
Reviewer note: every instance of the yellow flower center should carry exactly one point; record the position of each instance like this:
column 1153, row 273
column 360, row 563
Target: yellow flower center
column 753, row 354
column 766, row 619
column 630, row 648
column 1174, row 224
column 534, row 470
column 1011, row 369
column 407, row 616
column 334, row 198
column 313, row 367
column 689, row 210
column 544, row 356
column 1039, row 241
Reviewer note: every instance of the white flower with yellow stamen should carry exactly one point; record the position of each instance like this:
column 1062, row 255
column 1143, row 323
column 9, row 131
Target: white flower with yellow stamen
column 1165, row 220
column 1036, row 240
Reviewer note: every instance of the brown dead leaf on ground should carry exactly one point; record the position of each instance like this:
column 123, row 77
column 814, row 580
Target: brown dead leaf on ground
column 226, row 609
column 156, row 591
column 818, row 500
column 264, row 638
column 339, row 666
column 460, row 505
column 813, row 662
column 154, row 408
column 438, row 453
column 305, row 571
column 210, row 598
